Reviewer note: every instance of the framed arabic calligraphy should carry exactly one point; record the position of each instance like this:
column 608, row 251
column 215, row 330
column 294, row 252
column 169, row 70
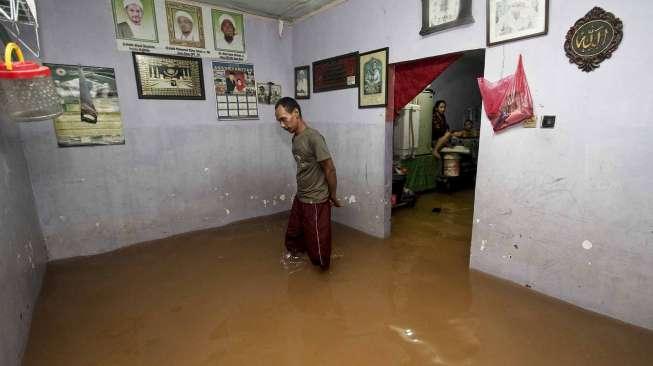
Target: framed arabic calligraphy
column 340, row 72
column 512, row 20
column 168, row 77
column 593, row 38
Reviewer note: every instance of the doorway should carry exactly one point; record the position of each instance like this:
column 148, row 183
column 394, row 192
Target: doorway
column 433, row 195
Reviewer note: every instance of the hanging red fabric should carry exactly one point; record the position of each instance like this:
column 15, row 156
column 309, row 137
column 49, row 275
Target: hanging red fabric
column 412, row 77
column 507, row 101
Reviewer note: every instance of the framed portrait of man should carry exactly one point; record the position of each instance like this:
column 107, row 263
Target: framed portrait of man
column 228, row 31
column 438, row 15
column 303, row 82
column 185, row 25
column 511, row 20
column 135, row 20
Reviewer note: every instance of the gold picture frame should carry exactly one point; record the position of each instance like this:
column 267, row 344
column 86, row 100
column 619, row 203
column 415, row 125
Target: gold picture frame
column 168, row 77
column 176, row 13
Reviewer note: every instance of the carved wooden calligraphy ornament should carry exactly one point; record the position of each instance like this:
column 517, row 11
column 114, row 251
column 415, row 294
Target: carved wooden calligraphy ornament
column 593, row 38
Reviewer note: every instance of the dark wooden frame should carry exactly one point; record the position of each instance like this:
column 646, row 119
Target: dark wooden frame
column 316, row 89
column 308, row 81
column 591, row 62
column 139, row 86
column 487, row 26
column 385, row 78
column 464, row 17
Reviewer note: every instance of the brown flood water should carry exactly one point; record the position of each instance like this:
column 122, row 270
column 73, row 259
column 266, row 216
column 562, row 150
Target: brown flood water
column 221, row 297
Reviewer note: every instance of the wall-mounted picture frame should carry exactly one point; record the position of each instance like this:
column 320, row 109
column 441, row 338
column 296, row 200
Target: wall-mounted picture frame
column 135, row 20
column 512, row 20
column 228, row 31
column 438, row 15
column 340, row 72
column 168, row 77
column 185, row 24
column 303, row 82
column 373, row 72
column 268, row 92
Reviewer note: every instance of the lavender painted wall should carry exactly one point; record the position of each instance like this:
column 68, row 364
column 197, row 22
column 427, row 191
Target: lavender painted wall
column 553, row 192
column 22, row 250
column 180, row 170
column 546, row 191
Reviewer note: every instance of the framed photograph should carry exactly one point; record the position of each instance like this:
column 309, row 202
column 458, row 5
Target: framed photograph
column 135, row 20
column 91, row 106
column 228, row 31
column 340, row 72
column 168, row 77
column 439, row 15
column 511, row 20
column 373, row 86
column 185, row 26
column 268, row 93
column 303, row 82
column 236, row 91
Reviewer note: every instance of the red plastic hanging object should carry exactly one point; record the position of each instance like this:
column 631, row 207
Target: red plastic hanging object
column 508, row 101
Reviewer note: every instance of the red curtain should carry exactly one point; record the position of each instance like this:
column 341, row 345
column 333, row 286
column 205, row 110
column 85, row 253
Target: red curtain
column 411, row 77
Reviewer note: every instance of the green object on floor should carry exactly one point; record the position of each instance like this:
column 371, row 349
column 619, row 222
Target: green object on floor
column 422, row 171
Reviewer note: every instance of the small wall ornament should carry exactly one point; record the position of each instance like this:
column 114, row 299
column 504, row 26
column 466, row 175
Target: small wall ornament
column 593, row 38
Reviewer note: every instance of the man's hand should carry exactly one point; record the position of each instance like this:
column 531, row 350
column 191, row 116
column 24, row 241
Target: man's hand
column 335, row 202
column 436, row 154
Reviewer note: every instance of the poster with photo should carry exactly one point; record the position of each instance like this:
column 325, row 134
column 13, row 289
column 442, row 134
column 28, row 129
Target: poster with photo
column 179, row 27
column 91, row 106
column 235, row 90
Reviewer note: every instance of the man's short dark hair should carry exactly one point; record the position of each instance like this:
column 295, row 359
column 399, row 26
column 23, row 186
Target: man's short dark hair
column 289, row 104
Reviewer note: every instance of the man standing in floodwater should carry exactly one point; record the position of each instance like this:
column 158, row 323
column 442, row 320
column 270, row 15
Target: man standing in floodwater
column 309, row 225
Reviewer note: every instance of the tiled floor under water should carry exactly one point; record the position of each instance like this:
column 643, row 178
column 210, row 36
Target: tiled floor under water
column 221, row 297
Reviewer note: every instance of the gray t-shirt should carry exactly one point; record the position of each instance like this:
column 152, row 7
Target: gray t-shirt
column 309, row 149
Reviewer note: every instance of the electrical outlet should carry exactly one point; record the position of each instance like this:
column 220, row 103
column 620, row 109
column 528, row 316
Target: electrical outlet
column 548, row 121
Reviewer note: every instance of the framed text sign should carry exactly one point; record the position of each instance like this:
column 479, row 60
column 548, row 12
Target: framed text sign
column 593, row 39
column 340, row 72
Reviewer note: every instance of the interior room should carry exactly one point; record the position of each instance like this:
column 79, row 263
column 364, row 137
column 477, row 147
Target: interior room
column 358, row 182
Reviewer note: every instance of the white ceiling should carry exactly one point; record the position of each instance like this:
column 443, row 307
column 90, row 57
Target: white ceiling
column 288, row 10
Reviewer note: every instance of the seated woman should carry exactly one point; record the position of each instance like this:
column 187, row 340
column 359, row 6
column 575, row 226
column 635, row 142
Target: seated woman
column 468, row 131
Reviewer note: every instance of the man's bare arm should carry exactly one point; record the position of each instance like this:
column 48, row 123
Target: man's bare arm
column 332, row 181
